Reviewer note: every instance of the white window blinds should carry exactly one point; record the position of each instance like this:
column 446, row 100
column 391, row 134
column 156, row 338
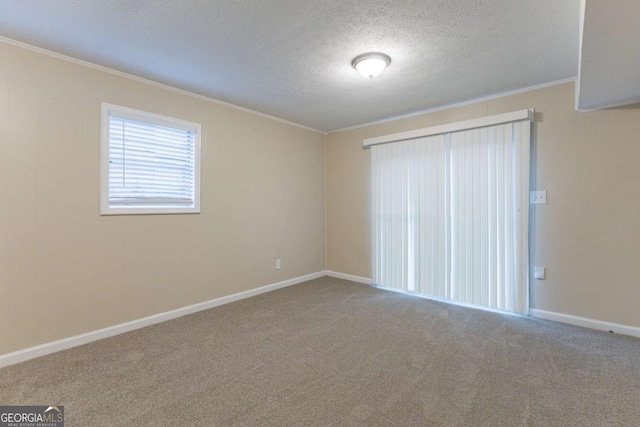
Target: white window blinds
column 450, row 215
column 151, row 164
column 410, row 216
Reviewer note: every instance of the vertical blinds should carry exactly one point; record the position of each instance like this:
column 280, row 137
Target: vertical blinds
column 450, row 215
column 410, row 216
column 150, row 164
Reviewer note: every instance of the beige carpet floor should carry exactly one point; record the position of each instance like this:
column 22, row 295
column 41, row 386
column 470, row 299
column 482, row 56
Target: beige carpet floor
column 334, row 353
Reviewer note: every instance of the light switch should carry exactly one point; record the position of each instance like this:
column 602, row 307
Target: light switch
column 538, row 273
column 538, row 197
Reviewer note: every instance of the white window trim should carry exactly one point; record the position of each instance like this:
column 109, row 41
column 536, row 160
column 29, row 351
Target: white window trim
column 158, row 119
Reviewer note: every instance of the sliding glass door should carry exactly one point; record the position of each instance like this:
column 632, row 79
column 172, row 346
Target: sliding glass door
column 450, row 215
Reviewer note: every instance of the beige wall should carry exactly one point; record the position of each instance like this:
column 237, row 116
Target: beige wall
column 65, row 270
column 588, row 234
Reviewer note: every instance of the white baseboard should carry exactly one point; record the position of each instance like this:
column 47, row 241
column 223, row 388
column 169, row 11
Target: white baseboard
column 533, row 312
column 77, row 340
column 586, row 322
column 365, row 280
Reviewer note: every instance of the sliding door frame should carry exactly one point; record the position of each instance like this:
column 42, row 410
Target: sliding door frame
column 523, row 223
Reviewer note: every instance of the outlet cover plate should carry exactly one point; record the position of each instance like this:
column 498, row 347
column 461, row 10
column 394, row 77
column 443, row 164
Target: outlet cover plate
column 538, row 197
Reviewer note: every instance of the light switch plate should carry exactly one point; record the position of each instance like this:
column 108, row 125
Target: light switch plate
column 538, row 273
column 538, row 197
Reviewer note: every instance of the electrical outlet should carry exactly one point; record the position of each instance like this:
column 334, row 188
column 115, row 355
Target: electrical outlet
column 278, row 264
column 538, row 197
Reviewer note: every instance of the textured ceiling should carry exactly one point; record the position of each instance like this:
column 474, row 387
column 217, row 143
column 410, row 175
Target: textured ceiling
column 291, row 58
column 610, row 60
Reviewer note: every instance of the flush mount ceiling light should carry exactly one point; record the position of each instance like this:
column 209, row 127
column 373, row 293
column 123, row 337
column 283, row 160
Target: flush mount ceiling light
column 371, row 64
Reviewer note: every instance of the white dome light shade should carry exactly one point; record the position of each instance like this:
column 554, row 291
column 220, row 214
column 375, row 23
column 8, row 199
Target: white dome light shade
column 371, row 64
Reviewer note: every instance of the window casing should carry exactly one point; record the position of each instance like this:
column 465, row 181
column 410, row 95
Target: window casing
column 149, row 164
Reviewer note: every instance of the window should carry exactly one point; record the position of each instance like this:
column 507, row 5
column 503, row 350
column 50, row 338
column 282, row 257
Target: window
column 150, row 164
